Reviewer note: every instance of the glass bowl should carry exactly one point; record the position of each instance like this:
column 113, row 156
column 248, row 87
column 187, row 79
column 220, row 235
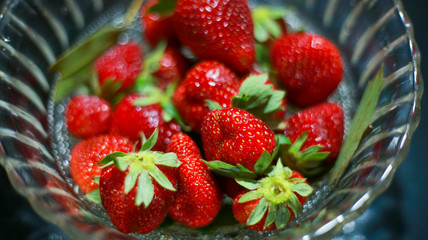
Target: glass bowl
column 35, row 145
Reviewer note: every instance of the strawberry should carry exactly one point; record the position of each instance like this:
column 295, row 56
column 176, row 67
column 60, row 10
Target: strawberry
column 309, row 66
column 87, row 153
column 87, row 116
column 130, row 120
column 120, row 64
column 156, row 26
column 271, row 202
column 137, row 189
column 221, row 30
column 236, row 137
column 316, row 136
column 172, row 67
column 199, row 197
column 208, row 80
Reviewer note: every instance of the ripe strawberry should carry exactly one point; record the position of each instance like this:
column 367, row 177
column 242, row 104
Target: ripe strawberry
column 130, row 120
column 316, row 134
column 121, row 64
column 87, row 116
column 172, row 67
column 308, row 66
column 221, row 30
column 87, row 153
column 208, row 80
column 156, row 26
column 199, row 197
column 137, row 189
column 235, row 136
column 271, row 202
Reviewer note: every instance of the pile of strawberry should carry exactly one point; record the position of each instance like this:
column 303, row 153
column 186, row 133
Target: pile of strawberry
column 172, row 134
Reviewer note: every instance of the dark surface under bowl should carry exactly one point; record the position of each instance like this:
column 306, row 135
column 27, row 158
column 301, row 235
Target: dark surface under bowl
column 399, row 213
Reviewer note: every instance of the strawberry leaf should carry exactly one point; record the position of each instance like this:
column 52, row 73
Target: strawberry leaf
column 131, row 178
column 250, row 184
column 149, row 143
column 359, row 124
column 94, row 196
column 164, row 7
column 258, row 212
column 96, row 179
column 266, row 22
column 160, row 178
column 282, row 217
column 212, row 105
column 263, row 163
column 294, row 204
column 110, row 158
column 229, row 170
column 250, row 196
column 302, row 189
column 168, row 159
column 145, row 190
column 271, row 216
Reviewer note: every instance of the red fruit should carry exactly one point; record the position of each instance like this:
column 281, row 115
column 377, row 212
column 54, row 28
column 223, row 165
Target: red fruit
column 208, row 80
column 131, row 121
column 156, row 26
column 172, row 67
column 236, row 137
column 183, row 145
column 230, row 187
column 275, row 189
column 121, row 63
column 221, row 30
column 87, row 153
column 87, row 116
column 308, row 66
column 324, row 125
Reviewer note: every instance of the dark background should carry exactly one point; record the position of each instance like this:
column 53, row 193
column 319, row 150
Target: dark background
column 399, row 213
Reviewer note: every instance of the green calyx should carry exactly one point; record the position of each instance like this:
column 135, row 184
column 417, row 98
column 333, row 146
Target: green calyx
column 278, row 194
column 260, row 99
column 309, row 161
column 266, row 24
column 164, row 7
column 142, row 168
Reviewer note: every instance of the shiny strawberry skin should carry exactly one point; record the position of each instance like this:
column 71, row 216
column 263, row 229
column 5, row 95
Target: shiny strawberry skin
column 121, row 207
column 87, row 116
column 309, row 66
column 121, row 63
column 173, row 67
column 86, row 154
column 242, row 211
column 221, row 30
column 208, row 80
column 325, row 126
column 183, row 145
column 156, row 27
column 130, row 121
column 236, row 137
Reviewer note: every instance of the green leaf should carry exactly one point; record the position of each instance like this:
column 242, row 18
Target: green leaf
column 160, row 178
column 262, row 57
column 212, row 105
column 149, row 143
column 146, row 101
column 303, row 189
column 282, row 217
column 169, row 108
column 229, row 170
column 96, row 179
column 272, row 211
column 145, row 190
column 272, row 105
column 94, row 196
column 131, row 178
column 359, row 124
column 297, row 145
column 250, row 184
column 258, row 212
column 110, row 158
column 294, row 204
column 164, row 7
column 122, row 163
column 168, row 159
column 250, row 196
column 263, row 163
column 260, row 32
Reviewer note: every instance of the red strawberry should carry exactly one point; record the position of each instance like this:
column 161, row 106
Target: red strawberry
column 87, row 116
column 156, row 26
column 138, row 189
column 199, row 197
column 122, row 64
column 271, row 201
column 172, row 67
column 221, row 30
column 317, row 135
column 130, row 120
column 308, row 66
column 208, row 80
column 87, row 153
column 230, row 187
column 235, row 136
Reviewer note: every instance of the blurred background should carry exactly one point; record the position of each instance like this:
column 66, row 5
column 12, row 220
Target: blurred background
column 399, row 213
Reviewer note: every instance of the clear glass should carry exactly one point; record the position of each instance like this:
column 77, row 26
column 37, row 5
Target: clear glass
column 34, row 143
